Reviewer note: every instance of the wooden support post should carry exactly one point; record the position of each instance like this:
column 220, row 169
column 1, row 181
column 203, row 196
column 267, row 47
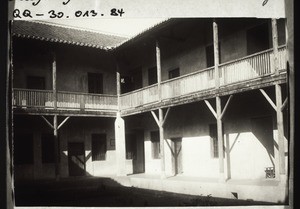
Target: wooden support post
column 120, row 145
column 275, row 45
column 118, row 87
column 280, row 130
column 161, row 142
column 56, row 148
column 158, row 67
column 63, row 122
column 216, row 53
column 54, row 81
column 220, row 138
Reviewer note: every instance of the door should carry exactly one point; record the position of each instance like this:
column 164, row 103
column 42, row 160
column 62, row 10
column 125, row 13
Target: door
column 76, row 159
column 176, row 155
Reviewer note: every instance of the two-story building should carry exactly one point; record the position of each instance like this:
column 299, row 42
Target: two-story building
column 194, row 106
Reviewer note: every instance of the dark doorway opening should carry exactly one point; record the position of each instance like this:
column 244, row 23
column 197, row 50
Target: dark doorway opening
column 76, row 159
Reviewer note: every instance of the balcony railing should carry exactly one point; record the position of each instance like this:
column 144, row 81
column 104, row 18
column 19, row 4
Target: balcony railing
column 245, row 69
column 65, row 100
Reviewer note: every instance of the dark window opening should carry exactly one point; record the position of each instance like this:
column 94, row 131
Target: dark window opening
column 174, row 73
column 23, row 149
column 36, row 82
column 48, row 151
column 132, row 82
column 214, row 140
column 210, row 56
column 130, row 146
column 154, row 136
column 98, row 147
column 152, row 75
column 95, row 83
column 258, row 39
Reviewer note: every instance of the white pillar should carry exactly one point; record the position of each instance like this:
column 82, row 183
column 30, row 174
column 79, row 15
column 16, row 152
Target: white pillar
column 120, row 146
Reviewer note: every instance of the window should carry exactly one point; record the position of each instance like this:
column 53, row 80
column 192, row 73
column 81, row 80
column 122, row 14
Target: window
column 130, row 146
column 23, row 149
column 258, row 39
column 152, row 75
column 95, row 83
column 174, row 73
column 35, row 82
column 98, row 147
column 48, row 152
column 210, row 55
column 154, row 136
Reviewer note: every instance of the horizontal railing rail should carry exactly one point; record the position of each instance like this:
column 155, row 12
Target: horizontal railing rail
column 65, row 100
column 240, row 70
column 243, row 69
column 32, row 98
column 139, row 97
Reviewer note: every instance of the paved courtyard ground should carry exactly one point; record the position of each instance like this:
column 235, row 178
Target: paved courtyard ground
column 102, row 192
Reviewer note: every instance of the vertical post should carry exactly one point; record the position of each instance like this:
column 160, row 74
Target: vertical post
column 220, row 138
column 161, row 143
column 275, row 45
column 118, row 87
column 120, row 132
column 216, row 53
column 158, row 67
column 280, row 130
column 160, row 112
column 56, row 148
column 54, row 80
column 120, row 145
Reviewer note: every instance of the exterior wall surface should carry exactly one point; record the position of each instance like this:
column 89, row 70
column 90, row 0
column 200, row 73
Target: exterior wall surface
column 247, row 151
column 73, row 64
column 76, row 129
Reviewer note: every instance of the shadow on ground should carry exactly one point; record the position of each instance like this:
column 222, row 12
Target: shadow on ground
column 104, row 192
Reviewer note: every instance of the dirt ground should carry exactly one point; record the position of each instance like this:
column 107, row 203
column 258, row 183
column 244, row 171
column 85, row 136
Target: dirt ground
column 99, row 192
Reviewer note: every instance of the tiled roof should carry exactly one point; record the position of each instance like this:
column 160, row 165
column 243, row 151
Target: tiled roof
column 67, row 35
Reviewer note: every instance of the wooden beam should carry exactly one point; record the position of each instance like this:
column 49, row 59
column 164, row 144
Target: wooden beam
column 280, row 130
column 155, row 118
column 268, row 99
column 54, row 80
column 56, row 148
column 284, row 104
column 118, row 82
column 158, row 68
column 275, row 45
column 216, row 53
column 220, row 139
column 161, row 140
column 226, row 105
column 45, row 119
column 211, row 108
column 62, row 123
column 166, row 116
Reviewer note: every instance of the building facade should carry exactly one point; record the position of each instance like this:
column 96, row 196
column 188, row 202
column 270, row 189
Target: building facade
column 197, row 99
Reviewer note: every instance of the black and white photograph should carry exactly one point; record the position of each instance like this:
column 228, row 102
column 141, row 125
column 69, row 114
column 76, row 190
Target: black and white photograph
column 107, row 110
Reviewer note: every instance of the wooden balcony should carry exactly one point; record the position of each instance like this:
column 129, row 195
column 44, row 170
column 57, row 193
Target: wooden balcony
column 250, row 72
column 28, row 100
column 254, row 71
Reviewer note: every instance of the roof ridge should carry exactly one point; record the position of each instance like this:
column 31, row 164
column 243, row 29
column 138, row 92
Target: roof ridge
column 78, row 28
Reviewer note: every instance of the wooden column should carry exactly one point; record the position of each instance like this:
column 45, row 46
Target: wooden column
column 280, row 130
column 275, row 45
column 220, row 138
column 120, row 142
column 54, row 80
column 160, row 111
column 56, row 148
column 118, row 87
column 216, row 53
